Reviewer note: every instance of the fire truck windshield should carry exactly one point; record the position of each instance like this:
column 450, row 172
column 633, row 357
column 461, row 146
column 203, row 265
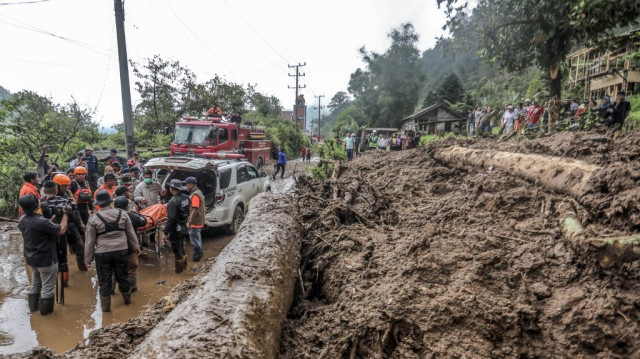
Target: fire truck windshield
column 202, row 135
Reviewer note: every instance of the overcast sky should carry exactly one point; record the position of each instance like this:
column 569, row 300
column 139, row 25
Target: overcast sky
column 245, row 41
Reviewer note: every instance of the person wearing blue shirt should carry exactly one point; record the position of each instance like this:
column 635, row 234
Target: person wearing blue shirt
column 282, row 162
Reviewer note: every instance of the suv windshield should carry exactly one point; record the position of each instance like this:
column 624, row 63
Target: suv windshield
column 195, row 135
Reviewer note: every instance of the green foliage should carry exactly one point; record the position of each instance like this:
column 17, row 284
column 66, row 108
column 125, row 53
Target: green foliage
column 388, row 89
column 450, row 90
column 280, row 132
column 29, row 121
column 330, row 149
column 351, row 119
column 268, row 106
column 536, row 89
column 517, row 35
column 633, row 121
column 321, row 171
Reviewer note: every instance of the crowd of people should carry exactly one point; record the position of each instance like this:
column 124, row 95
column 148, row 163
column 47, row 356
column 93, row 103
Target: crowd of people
column 355, row 145
column 96, row 219
column 535, row 116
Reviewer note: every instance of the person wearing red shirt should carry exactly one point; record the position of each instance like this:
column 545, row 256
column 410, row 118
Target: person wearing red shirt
column 534, row 113
column 31, row 180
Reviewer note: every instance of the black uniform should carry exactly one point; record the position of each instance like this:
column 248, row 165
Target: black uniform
column 73, row 237
column 176, row 227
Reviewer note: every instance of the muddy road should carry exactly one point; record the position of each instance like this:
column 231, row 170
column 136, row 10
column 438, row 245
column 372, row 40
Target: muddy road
column 81, row 313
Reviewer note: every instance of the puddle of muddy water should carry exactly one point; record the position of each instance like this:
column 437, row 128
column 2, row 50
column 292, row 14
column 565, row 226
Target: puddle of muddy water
column 81, row 313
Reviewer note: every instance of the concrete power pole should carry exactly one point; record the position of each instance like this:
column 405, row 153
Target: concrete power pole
column 124, row 79
column 297, row 87
column 319, row 97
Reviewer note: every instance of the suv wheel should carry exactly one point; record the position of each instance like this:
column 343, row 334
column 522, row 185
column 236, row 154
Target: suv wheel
column 238, row 217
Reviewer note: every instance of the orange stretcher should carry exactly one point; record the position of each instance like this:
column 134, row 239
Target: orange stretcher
column 156, row 216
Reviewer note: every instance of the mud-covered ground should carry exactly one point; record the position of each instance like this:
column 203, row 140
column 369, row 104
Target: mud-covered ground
column 427, row 261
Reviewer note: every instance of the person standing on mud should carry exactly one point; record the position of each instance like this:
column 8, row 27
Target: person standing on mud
column 110, row 238
column 620, row 111
column 176, row 227
column 373, row 140
column 196, row 217
column 40, row 239
column 137, row 221
column 349, row 144
column 281, row 163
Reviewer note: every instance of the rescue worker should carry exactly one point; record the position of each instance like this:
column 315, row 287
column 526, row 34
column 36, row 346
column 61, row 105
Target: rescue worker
column 137, row 221
column 117, row 169
column 76, row 228
column 82, row 193
column 92, row 167
column 110, row 239
column 373, row 140
column 196, row 217
column 40, row 239
column 43, row 163
column 214, row 111
column 176, row 227
column 30, row 186
column 109, row 185
column 281, row 163
column 148, row 192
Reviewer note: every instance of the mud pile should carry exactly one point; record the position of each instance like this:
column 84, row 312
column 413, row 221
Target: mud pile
column 404, row 257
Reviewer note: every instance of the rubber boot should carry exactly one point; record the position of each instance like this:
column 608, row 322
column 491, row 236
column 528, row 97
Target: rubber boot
column 105, row 304
column 127, row 298
column 178, row 264
column 197, row 255
column 33, row 302
column 65, row 278
column 81, row 265
column 184, row 262
column 46, row 306
column 133, row 283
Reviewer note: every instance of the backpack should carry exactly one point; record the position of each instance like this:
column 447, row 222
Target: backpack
column 83, row 196
column 110, row 226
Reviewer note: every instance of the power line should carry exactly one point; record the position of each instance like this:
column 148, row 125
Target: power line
column 197, row 38
column 106, row 75
column 22, row 2
column 48, row 33
column 51, row 63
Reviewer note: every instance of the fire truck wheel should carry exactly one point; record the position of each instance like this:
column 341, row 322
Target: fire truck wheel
column 238, row 217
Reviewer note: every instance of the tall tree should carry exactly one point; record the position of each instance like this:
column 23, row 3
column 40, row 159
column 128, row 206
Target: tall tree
column 450, row 89
column 388, row 89
column 268, row 106
column 517, row 34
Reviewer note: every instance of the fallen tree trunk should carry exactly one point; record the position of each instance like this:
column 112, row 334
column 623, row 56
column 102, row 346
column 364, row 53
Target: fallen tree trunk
column 611, row 250
column 239, row 307
column 556, row 173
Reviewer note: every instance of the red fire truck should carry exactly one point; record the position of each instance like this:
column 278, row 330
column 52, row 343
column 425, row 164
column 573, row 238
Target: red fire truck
column 213, row 137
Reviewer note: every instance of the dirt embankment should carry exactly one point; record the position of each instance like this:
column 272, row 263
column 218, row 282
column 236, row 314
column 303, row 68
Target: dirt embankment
column 405, row 257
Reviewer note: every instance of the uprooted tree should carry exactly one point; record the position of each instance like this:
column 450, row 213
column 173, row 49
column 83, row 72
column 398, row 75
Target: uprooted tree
column 516, row 34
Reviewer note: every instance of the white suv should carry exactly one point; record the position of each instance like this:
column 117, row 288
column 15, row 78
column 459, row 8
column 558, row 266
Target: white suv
column 227, row 185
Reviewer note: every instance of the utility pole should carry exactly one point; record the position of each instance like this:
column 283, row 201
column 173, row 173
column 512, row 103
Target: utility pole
column 124, row 79
column 319, row 97
column 297, row 87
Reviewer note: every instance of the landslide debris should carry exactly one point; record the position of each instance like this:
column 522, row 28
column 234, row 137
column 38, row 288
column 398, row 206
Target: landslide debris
column 404, row 257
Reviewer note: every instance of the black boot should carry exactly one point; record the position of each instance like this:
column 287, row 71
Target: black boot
column 33, row 302
column 184, row 262
column 46, row 306
column 133, row 283
column 105, row 303
column 81, row 265
column 178, row 264
column 127, row 298
column 197, row 255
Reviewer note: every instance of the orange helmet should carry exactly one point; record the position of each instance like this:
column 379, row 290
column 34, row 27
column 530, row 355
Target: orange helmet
column 62, row 180
column 80, row 171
